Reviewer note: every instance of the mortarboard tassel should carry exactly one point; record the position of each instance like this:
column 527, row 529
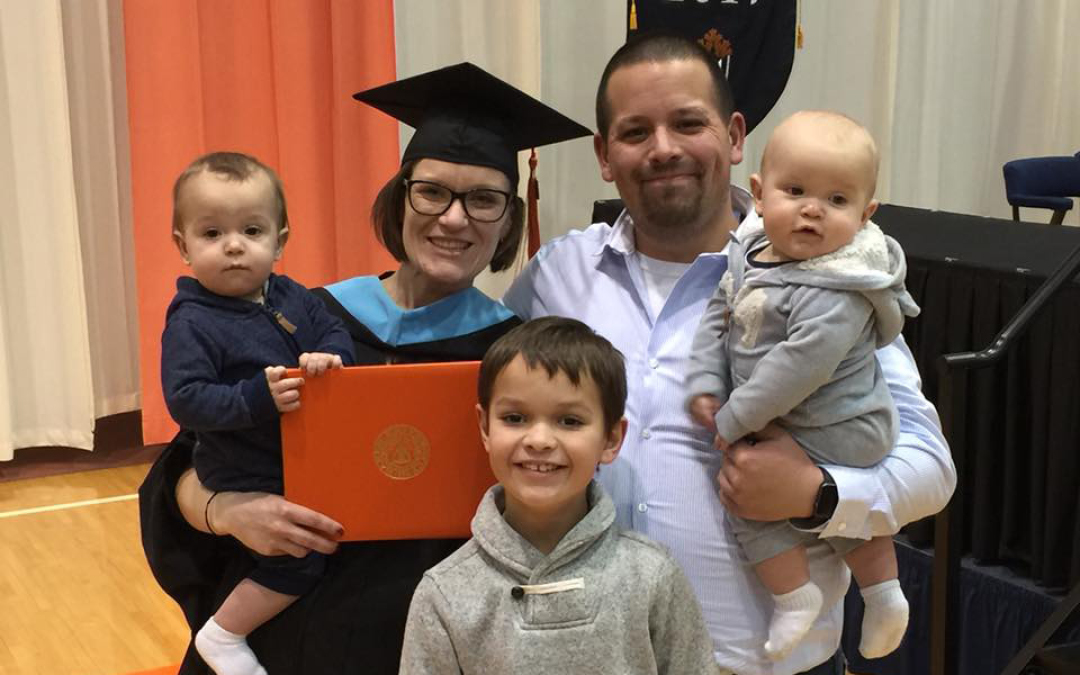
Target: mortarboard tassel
column 533, row 196
column 798, row 26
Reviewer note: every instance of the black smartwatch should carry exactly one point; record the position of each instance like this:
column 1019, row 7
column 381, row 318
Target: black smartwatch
column 824, row 504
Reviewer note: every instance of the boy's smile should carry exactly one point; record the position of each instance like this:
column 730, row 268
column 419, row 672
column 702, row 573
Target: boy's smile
column 542, row 467
column 544, row 437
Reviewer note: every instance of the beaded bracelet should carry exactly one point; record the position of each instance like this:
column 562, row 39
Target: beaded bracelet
column 206, row 513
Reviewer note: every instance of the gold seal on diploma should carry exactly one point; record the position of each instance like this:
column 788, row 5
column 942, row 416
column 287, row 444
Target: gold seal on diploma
column 402, row 451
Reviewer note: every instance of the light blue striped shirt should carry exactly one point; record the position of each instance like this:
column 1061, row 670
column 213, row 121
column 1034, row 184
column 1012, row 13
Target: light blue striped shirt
column 663, row 481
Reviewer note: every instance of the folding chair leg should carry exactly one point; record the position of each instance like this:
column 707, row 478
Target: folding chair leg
column 1059, row 215
column 1016, row 213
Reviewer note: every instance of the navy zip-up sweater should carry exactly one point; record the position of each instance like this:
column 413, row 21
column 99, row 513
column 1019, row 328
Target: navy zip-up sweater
column 213, row 355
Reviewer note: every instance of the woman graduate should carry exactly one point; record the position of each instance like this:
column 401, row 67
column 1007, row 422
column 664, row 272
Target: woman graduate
column 450, row 211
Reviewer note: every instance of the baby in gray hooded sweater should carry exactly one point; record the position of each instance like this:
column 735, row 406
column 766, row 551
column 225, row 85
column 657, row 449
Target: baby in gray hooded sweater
column 812, row 289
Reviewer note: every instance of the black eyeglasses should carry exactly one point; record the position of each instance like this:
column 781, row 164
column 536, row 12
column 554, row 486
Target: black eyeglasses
column 481, row 204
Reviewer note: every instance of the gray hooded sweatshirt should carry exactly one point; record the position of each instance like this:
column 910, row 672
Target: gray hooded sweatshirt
column 604, row 601
column 795, row 343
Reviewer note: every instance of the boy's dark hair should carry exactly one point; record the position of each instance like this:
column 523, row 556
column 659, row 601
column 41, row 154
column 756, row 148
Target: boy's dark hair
column 560, row 345
column 388, row 219
column 235, row 166
column 660, row 46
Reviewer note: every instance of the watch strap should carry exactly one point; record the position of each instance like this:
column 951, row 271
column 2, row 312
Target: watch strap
column 825, row 503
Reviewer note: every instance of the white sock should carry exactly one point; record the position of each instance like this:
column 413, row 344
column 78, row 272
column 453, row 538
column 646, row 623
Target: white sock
column 885, row 619
column 793, row 614
column 226, row 653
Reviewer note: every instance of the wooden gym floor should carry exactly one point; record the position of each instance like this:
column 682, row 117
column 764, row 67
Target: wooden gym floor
column 76, row 595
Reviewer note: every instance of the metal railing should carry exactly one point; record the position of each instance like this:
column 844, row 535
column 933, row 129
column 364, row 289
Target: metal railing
column 949, row 524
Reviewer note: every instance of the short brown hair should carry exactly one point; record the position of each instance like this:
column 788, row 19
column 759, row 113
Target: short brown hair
column 388, row 219
column 661, row 46
column 560, row 345
column 235, row 166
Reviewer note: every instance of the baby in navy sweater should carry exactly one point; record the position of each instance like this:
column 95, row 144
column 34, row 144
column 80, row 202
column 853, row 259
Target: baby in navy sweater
column 230, row 333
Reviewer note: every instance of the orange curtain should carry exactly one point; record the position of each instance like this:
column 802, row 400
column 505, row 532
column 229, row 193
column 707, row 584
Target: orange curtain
column 272, row 78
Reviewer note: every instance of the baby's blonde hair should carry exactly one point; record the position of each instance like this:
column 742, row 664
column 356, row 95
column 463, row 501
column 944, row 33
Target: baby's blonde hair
column 838, row 129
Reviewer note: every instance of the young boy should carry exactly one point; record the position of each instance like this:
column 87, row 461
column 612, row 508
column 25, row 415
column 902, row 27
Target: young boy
column 229, row 334
column 548, row 583
column 812, row 289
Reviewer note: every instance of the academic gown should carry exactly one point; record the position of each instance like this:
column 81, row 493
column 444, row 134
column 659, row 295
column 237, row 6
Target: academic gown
column 354, row 620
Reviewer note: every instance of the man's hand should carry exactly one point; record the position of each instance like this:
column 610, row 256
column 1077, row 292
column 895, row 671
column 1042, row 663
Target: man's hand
column 285, row 390
column 768, row 478
column 703, row 409
column 317, row 363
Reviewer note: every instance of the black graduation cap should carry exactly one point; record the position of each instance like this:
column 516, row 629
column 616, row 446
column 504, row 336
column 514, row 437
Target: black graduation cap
column 466, row 115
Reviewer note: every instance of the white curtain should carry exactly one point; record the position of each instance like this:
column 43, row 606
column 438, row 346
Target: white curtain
column 94, row 54
column 67, row 347
column 950, row 90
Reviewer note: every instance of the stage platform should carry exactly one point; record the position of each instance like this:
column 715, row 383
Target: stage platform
column 971, row 275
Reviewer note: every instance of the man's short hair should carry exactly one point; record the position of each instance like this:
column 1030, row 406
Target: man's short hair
column 560, row 345
column 388, row 220
column 234, row 166
column 661, row 46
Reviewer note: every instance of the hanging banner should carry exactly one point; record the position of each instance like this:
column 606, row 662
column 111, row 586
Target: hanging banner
column 754, row 41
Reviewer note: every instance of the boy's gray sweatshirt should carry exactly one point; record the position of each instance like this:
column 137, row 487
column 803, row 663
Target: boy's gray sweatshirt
column 634, row 611
column 795, row 343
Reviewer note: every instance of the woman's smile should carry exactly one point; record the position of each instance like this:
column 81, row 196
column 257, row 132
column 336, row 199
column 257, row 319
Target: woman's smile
column 448, row 244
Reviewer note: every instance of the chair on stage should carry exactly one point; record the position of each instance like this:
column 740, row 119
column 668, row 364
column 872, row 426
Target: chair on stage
column 1043, row 183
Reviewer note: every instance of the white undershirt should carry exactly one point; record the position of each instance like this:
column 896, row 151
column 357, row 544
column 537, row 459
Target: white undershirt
column 660, row 278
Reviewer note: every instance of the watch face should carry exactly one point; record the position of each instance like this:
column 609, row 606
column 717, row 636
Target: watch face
column 828, row 497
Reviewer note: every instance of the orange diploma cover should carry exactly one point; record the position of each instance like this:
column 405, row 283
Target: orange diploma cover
column 390, row 452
